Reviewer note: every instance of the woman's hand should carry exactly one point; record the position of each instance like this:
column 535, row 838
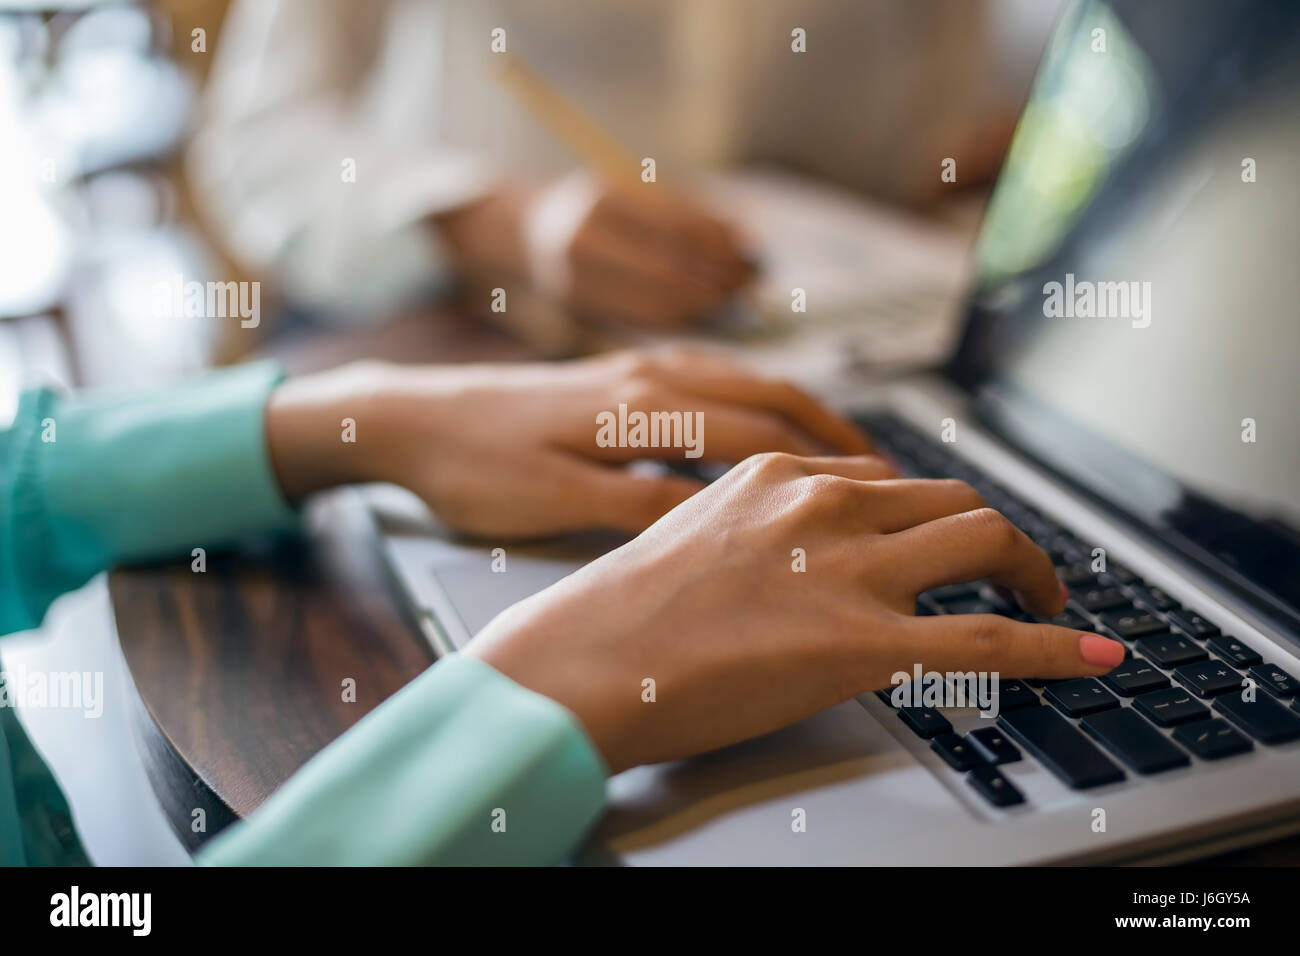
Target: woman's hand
column 516, row 450
column 707, row 603
column 643, row 256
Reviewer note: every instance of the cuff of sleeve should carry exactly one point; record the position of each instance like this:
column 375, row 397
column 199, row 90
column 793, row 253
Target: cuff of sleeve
column 461, row 767
column 143, row 475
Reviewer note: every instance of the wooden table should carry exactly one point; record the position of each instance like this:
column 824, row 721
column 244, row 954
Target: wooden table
column 239, row 670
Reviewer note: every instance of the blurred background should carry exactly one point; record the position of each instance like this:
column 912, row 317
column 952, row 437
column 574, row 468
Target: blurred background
column 204, row 139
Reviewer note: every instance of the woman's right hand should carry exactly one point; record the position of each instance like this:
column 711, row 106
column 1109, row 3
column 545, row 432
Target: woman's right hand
column 709, row 605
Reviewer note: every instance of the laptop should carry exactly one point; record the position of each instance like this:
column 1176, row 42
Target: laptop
column 1124, row 390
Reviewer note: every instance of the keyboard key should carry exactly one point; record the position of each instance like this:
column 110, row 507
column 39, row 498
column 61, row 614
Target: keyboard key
column 1071, row 620
column 1263, row 718
column 952, row 592
column 1134, row 741
column 993, row 745
column 1078, row 697
column 994, row 787
column 1015, row 693
column 1122, row 574
column 958, row 754
column 1134, row 676
column 1153, row 598
column 1096, row 600
column 1169, row 707
column 1208, row 678
column 1273, row 679
column 1211, row 739
column 1078, row 575
column 1192, row 624
column 926, row 722
column 1131, row 625
column 1169, row 650
column 1233, row 651
column 1060, row 747
column 885, row 696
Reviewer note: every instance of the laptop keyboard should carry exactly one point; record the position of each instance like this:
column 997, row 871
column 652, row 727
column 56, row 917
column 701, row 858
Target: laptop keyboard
column 1174, row 701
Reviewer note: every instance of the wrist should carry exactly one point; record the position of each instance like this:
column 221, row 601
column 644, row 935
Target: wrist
column 327, row 429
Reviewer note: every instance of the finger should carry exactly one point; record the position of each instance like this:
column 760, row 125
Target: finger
column 857, row 467
column 721, row 380
column 603, row 292
column 989, row 642
column 682, row 228
column 630, row 258
column 907, row 502
column 973, row 545
column 627, row 501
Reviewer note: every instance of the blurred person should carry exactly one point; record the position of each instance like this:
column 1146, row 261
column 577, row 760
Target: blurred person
column 453, row 178
column 545, row 703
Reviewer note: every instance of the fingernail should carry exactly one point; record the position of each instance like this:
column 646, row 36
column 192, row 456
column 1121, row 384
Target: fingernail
column 1065, row 592
column 1100, row 651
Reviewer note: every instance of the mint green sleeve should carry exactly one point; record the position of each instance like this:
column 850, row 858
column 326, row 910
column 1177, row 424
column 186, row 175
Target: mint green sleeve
column 460, row 767
column 87, row 481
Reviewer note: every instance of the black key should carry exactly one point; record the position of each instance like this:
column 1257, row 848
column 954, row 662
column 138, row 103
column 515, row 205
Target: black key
column 1078, row 575
column 1153, row 598
column 1131, row 625
column 1062, row 549
column 959, row 754
column 952, row 592
column 1211, row 739
column 1169, row 707
column 1169, row 650
column 1097, row 600
column 1263, row 718
column 1062, row 749
column 1208, row 678
column 885, row 695
column 1071, row 620
column 1135, row 676
column 1078, row 697
column 994, row 787
column 1193, row 624
column 926, row 722
column 1134, row 741
column 993, row 745
column 1122, row 574
column 1233, row 651
column 1013, row 694
column 1273, row 679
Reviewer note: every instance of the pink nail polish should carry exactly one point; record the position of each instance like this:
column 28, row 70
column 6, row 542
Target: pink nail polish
column 1065, row 592
column 1100, row 651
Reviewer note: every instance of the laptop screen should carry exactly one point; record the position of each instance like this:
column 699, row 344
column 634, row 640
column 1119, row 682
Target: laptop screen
column 1135, row 320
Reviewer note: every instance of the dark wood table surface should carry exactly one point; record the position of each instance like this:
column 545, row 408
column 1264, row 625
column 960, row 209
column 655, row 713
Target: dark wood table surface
column 239, row 671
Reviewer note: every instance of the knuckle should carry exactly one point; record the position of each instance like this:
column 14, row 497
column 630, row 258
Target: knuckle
column 988, row 636
column 994, row 527
column 774, row 465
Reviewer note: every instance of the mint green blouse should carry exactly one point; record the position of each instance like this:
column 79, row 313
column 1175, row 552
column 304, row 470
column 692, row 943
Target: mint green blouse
column 462, row 766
